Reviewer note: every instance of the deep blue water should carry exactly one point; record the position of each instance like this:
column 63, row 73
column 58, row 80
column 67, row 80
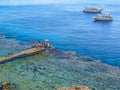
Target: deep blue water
column 67, row 27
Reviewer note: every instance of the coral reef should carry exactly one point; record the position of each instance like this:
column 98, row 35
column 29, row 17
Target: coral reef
column 59, row 69
column 8, row 46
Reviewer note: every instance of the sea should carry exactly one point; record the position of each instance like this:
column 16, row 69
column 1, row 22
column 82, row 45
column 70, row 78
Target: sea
column 67, row 27
column 70, row 29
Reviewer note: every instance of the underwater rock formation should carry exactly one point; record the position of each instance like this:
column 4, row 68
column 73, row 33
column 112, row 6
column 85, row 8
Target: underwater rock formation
column 61, row 54
column 11, row 46
column 6, row 86
column 2, row 36
column 75, row 87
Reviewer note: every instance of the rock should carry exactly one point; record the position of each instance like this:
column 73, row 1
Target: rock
column 6, row 86
column 61, row 54
column 2, row 36
column 86, row 58
column 75, row 87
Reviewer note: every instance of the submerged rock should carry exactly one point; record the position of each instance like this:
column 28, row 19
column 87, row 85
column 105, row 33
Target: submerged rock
column 75, row 87
column 61, row 54
column 11, row 46
column 6, row 86
column 2, row 36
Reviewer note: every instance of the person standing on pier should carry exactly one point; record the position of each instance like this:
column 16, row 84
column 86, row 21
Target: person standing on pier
column 34, row 44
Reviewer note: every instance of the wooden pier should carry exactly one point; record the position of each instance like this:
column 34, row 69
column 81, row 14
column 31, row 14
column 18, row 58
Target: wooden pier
column 36, row 48
column 22, row 53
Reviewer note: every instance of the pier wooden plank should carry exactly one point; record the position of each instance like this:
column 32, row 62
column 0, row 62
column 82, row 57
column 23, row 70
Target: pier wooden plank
column 26, row 52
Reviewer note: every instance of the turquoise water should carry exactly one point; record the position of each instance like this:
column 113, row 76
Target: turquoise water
column 59, row 69
column 67, row 27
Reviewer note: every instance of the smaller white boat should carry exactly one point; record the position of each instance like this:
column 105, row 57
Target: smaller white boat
column 92, row 9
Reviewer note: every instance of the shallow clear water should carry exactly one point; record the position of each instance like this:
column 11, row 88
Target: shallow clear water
column 67, row 27
column 60, row 69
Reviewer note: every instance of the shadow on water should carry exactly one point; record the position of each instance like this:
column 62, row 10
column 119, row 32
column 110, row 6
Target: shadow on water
column 104, row 23
column 92, row 12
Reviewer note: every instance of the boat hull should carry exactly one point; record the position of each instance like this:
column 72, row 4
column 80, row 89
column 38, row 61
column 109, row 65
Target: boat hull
column 92, row 11
column 103, row 19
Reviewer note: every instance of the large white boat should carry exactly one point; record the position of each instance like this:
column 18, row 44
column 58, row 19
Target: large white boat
column 92, row 10
column 103, row 17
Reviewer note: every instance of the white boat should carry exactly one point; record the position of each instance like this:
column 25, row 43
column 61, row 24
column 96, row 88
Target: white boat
column 103, row 17
column 92, row 10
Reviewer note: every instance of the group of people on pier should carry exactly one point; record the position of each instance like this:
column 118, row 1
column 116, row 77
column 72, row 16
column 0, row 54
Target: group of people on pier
column 37, row 45
column 40, row 44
